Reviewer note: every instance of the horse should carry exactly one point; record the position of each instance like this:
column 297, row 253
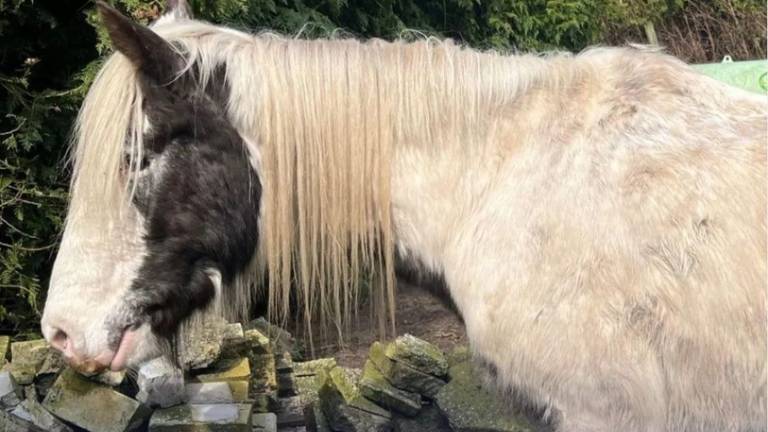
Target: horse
column 599, row 219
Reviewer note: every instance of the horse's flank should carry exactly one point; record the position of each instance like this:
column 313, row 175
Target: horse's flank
column 615, row 194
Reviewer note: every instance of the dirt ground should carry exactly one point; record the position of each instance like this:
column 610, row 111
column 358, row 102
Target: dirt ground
column 419, row 312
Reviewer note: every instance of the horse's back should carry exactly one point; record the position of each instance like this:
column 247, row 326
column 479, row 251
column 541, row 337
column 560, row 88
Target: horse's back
column 621, row 258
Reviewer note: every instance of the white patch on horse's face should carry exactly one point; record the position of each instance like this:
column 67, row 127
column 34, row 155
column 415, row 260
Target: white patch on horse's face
column 91, row 275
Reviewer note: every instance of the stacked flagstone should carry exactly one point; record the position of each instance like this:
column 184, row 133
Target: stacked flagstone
column 247, row 379
column 229, row 384
column 397, row 382
column 409, row 385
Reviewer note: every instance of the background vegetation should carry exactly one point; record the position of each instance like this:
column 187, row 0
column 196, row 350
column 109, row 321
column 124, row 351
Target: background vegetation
column 50, row 51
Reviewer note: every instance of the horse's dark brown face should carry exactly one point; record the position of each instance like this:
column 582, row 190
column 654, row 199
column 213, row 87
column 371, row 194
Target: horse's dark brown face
column 193, row 219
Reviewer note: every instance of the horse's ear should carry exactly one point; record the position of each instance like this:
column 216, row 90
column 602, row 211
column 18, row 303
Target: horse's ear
column 148, row 52
column 178, row 9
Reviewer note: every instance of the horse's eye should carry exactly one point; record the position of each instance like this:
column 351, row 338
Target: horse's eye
column 142, row 164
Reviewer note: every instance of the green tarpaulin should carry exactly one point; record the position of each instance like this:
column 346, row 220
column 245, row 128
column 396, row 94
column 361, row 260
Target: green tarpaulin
column 749, row 75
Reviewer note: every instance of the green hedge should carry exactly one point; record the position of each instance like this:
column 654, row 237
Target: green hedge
column 50, row 51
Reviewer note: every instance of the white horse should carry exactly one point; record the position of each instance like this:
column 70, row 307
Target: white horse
column 599, row 219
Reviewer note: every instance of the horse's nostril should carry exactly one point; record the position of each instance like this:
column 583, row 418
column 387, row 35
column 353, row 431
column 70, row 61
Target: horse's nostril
column 60, row 340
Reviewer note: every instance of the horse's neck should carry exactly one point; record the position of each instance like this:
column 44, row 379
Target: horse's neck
column 429, row 116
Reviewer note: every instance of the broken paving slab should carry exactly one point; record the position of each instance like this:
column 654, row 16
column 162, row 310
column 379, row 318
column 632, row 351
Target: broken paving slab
column 161, row 384
column 257, row 342
column 234, row 343
column 52, row 364
column 345, row 418
column 290, row 412
column 12, row 423
column 304, row 376
column 27, row 357
column 264, row 374
column 284, row 362
column 237, row 369
column 233, row 331
column 286, row 385
column 34, row 412
column 266, row 401
column 30, row 392
column 5, row 347
column 430, row 419
column 316, row 420
column 312, row 367
column 307, row 388
column 201, row 340
column 202, row 418
column 216, row 392
column 281, row 340
column 93, row 406
column 10, row 392
column 419, row 354
column 403, row 376
column 286, row 382
column 469, row 407
column 264, row 422
column 374, row 386
column 345, row 408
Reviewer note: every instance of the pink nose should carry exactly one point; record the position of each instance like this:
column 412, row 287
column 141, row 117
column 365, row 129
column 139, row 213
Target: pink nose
column 60, row 340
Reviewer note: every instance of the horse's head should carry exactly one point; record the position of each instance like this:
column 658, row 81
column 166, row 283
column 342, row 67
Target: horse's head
column 131, row 270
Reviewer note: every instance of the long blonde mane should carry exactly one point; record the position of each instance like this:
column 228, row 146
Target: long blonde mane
column 321, row 120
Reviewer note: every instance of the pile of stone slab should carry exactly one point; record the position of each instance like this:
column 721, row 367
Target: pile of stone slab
column 234, row 378
column 226, row 380
column 409, row 385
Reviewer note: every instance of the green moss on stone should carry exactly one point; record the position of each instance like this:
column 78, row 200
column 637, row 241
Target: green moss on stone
column 203, row 418
column 93, row 406
column 419, row 354
column 228, row 370
column 26, row 358
column 345, row 408
column 311, row 368
column 403, row 376
column 374, row 386
column 5, row 346
column 469, row 407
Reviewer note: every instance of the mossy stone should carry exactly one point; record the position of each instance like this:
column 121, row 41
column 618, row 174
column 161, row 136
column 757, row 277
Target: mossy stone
column 469, row 407
column 343, row 406
column 374, row 386
column 93, row 406
column 238, row 369
column 280, row 340
column 257, row 342
column 419, row 354
column 201, row 341
column 264, row 374
column 31, row 410
column 5, row 347
column 203, row 418
column 312, row 367
column 27, row 358
column 430, row 419
column 403, row 376
column 10, row 392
